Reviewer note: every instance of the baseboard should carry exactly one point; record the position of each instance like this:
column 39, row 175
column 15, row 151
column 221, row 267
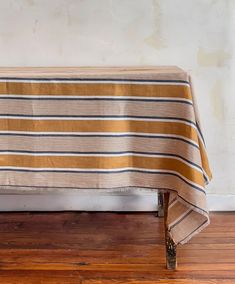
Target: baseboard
column 87, row 202
column 221, row 202
column 99, row 202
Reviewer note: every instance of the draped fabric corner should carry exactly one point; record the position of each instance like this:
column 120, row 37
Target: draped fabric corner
column 106, row 129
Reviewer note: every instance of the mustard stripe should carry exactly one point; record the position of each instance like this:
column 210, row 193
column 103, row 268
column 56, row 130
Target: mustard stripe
column 101, row 154
column 99, row 126
column 100, row 89
column 90, row 162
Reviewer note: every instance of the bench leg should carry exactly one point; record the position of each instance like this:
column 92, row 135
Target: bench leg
column 171, row 260
column 160, row 204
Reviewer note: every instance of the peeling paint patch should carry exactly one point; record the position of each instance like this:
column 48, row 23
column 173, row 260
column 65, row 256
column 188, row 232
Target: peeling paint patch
column 217, row 100
column 217, row 58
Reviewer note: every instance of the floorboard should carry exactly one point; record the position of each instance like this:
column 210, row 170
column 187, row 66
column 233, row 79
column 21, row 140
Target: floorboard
column 103, row 248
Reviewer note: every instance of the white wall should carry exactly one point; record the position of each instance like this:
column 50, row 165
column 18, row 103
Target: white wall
column 197, row 35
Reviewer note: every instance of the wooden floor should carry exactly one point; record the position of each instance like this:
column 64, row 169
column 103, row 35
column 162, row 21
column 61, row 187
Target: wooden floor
column 103, row 248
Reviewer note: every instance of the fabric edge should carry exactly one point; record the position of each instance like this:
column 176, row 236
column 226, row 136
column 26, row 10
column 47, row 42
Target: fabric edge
column 198, row 230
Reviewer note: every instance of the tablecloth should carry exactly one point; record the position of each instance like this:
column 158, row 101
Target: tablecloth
column 108, row 129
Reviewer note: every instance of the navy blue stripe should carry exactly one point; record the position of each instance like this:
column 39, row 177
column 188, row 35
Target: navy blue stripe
column 205, row 178
column 93, row 79
column 96, row 99
column 102, row 153
column 100, row 135
column 181, row 219
column 99, row 116
column 104, row 172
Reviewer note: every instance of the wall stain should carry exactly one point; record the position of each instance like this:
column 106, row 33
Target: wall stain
column 156, row 40
column 35, row 25
column 68, row 14
column 30, row 2
column 216, row 58
column 217, row 100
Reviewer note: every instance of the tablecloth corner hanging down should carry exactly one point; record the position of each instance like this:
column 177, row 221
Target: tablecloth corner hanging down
column 106, row 129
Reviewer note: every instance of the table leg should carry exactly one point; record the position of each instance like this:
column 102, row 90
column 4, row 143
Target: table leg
column 171, row 260
column 160, row 204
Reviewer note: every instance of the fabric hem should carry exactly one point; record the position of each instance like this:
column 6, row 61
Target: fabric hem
column 201, row 227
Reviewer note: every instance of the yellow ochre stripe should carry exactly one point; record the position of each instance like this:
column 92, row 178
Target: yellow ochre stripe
column 90, row 162
column 175, row 128
column 94, row 89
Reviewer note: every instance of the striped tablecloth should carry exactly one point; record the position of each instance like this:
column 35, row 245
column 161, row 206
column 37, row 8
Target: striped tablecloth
column 106, row 129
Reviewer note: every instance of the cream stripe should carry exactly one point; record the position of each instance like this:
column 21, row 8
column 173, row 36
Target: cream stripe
column 95, row 97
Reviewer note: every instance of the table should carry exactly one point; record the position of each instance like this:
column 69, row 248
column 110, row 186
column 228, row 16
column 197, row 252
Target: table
column 107, row 128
